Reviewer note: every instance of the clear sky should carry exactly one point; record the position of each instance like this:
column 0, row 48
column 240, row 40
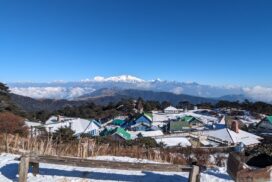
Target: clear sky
column 212, row 41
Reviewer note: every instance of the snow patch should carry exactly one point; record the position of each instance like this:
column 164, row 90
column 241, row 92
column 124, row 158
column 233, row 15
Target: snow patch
column 122, row 159
column 174, row 141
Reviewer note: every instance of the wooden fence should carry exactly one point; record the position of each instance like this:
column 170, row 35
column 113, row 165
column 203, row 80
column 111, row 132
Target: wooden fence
column 33, row 161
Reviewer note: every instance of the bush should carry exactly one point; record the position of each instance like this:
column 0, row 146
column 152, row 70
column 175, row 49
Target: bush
column 64, row 135
column 140, row 142
column 12, row 124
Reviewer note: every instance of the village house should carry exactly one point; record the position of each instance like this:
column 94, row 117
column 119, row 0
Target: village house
column 35, row 128
column 117, row 133
column 172, row 110
column 120, row 134
column 118, row 122
column 80, row 126
column 184, row 124
column 232, row 136
column 265, row 125
column 142, row 123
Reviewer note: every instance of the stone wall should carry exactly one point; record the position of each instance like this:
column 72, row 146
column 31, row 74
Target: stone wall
column 241, row 172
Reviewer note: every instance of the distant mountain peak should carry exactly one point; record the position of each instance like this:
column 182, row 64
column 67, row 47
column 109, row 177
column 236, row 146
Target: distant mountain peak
column 121, row 78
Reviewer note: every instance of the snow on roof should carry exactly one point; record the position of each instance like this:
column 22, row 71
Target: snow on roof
column 170, row 108
column 159, row 124
column 151, row 133
column 174, row 141
column 222, row 134
column 233, row 137
column 77, row 124
column 32, row 124
column 244, row 137
column 159, row 117
column 54, row 119
column 205, row 119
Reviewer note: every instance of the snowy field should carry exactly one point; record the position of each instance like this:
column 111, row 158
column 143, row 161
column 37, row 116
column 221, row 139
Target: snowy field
column 174, row 141
column 58, row 173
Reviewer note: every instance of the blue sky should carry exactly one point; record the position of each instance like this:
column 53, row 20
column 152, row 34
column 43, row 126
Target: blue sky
column 213, row 42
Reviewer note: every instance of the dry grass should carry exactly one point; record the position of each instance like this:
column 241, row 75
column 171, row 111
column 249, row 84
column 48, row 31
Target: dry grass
column 82, row 148
column 86, row 147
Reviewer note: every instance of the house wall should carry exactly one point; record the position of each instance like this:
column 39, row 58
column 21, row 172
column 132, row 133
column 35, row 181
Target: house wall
column 140, row 128
column 93, row 130
column 171, row 112
column 117, row 138
column 265, row 126
column 143, row 119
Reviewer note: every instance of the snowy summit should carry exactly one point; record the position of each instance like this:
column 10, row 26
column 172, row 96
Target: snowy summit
column 121, row 78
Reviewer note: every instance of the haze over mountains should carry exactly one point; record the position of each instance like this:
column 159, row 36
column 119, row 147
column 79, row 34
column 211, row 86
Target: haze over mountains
column 78, row 90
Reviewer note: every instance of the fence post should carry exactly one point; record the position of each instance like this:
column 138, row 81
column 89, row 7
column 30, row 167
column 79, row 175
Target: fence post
column 23, row 168
column 194, row 174
column 35, row 168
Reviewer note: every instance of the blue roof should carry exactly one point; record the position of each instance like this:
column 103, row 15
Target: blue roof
column 96, row 122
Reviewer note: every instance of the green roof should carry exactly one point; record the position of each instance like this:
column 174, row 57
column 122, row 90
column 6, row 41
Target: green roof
column 118, row 122
column 123, row 133
column 187, row 119
column 149, row 116
column 269, row 118
column 184, row 123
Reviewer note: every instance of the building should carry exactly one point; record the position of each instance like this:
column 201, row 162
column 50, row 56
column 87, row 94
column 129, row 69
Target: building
column 120, row 134
column 35, row 128
column 142, row 123
column 172, row 110
column 265, row 125
column 80, row 126
column 233, row 136
column 118, row 122
column 184, row 124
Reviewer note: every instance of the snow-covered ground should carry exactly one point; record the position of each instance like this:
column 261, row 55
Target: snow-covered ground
column 215, row 175
column 174, row 141
column 123, row 159
column 59, row 173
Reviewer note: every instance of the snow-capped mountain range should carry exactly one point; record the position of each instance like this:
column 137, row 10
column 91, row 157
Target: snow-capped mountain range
column 74, row 89
column 122, row 78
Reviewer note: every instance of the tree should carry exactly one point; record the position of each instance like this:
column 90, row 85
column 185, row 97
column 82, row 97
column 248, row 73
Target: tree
column 4, row 88
column 139, row 105
column 64, row 135
column 165, row 104
column 185, row 105
column 12, row 124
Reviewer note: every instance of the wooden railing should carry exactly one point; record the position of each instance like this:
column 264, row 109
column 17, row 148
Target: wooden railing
column 33, row 161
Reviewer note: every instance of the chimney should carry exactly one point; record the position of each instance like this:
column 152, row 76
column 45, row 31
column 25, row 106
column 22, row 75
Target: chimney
column 235, row 126
column 58, row 118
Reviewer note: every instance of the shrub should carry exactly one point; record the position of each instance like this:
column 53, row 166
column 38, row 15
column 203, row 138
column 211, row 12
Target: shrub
column 12, row 124
column 64, row 135
column 140, row 142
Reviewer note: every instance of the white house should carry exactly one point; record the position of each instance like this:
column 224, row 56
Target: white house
column 233, row 137
column 80, row 126
column 172, row 110
column 33, row 127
